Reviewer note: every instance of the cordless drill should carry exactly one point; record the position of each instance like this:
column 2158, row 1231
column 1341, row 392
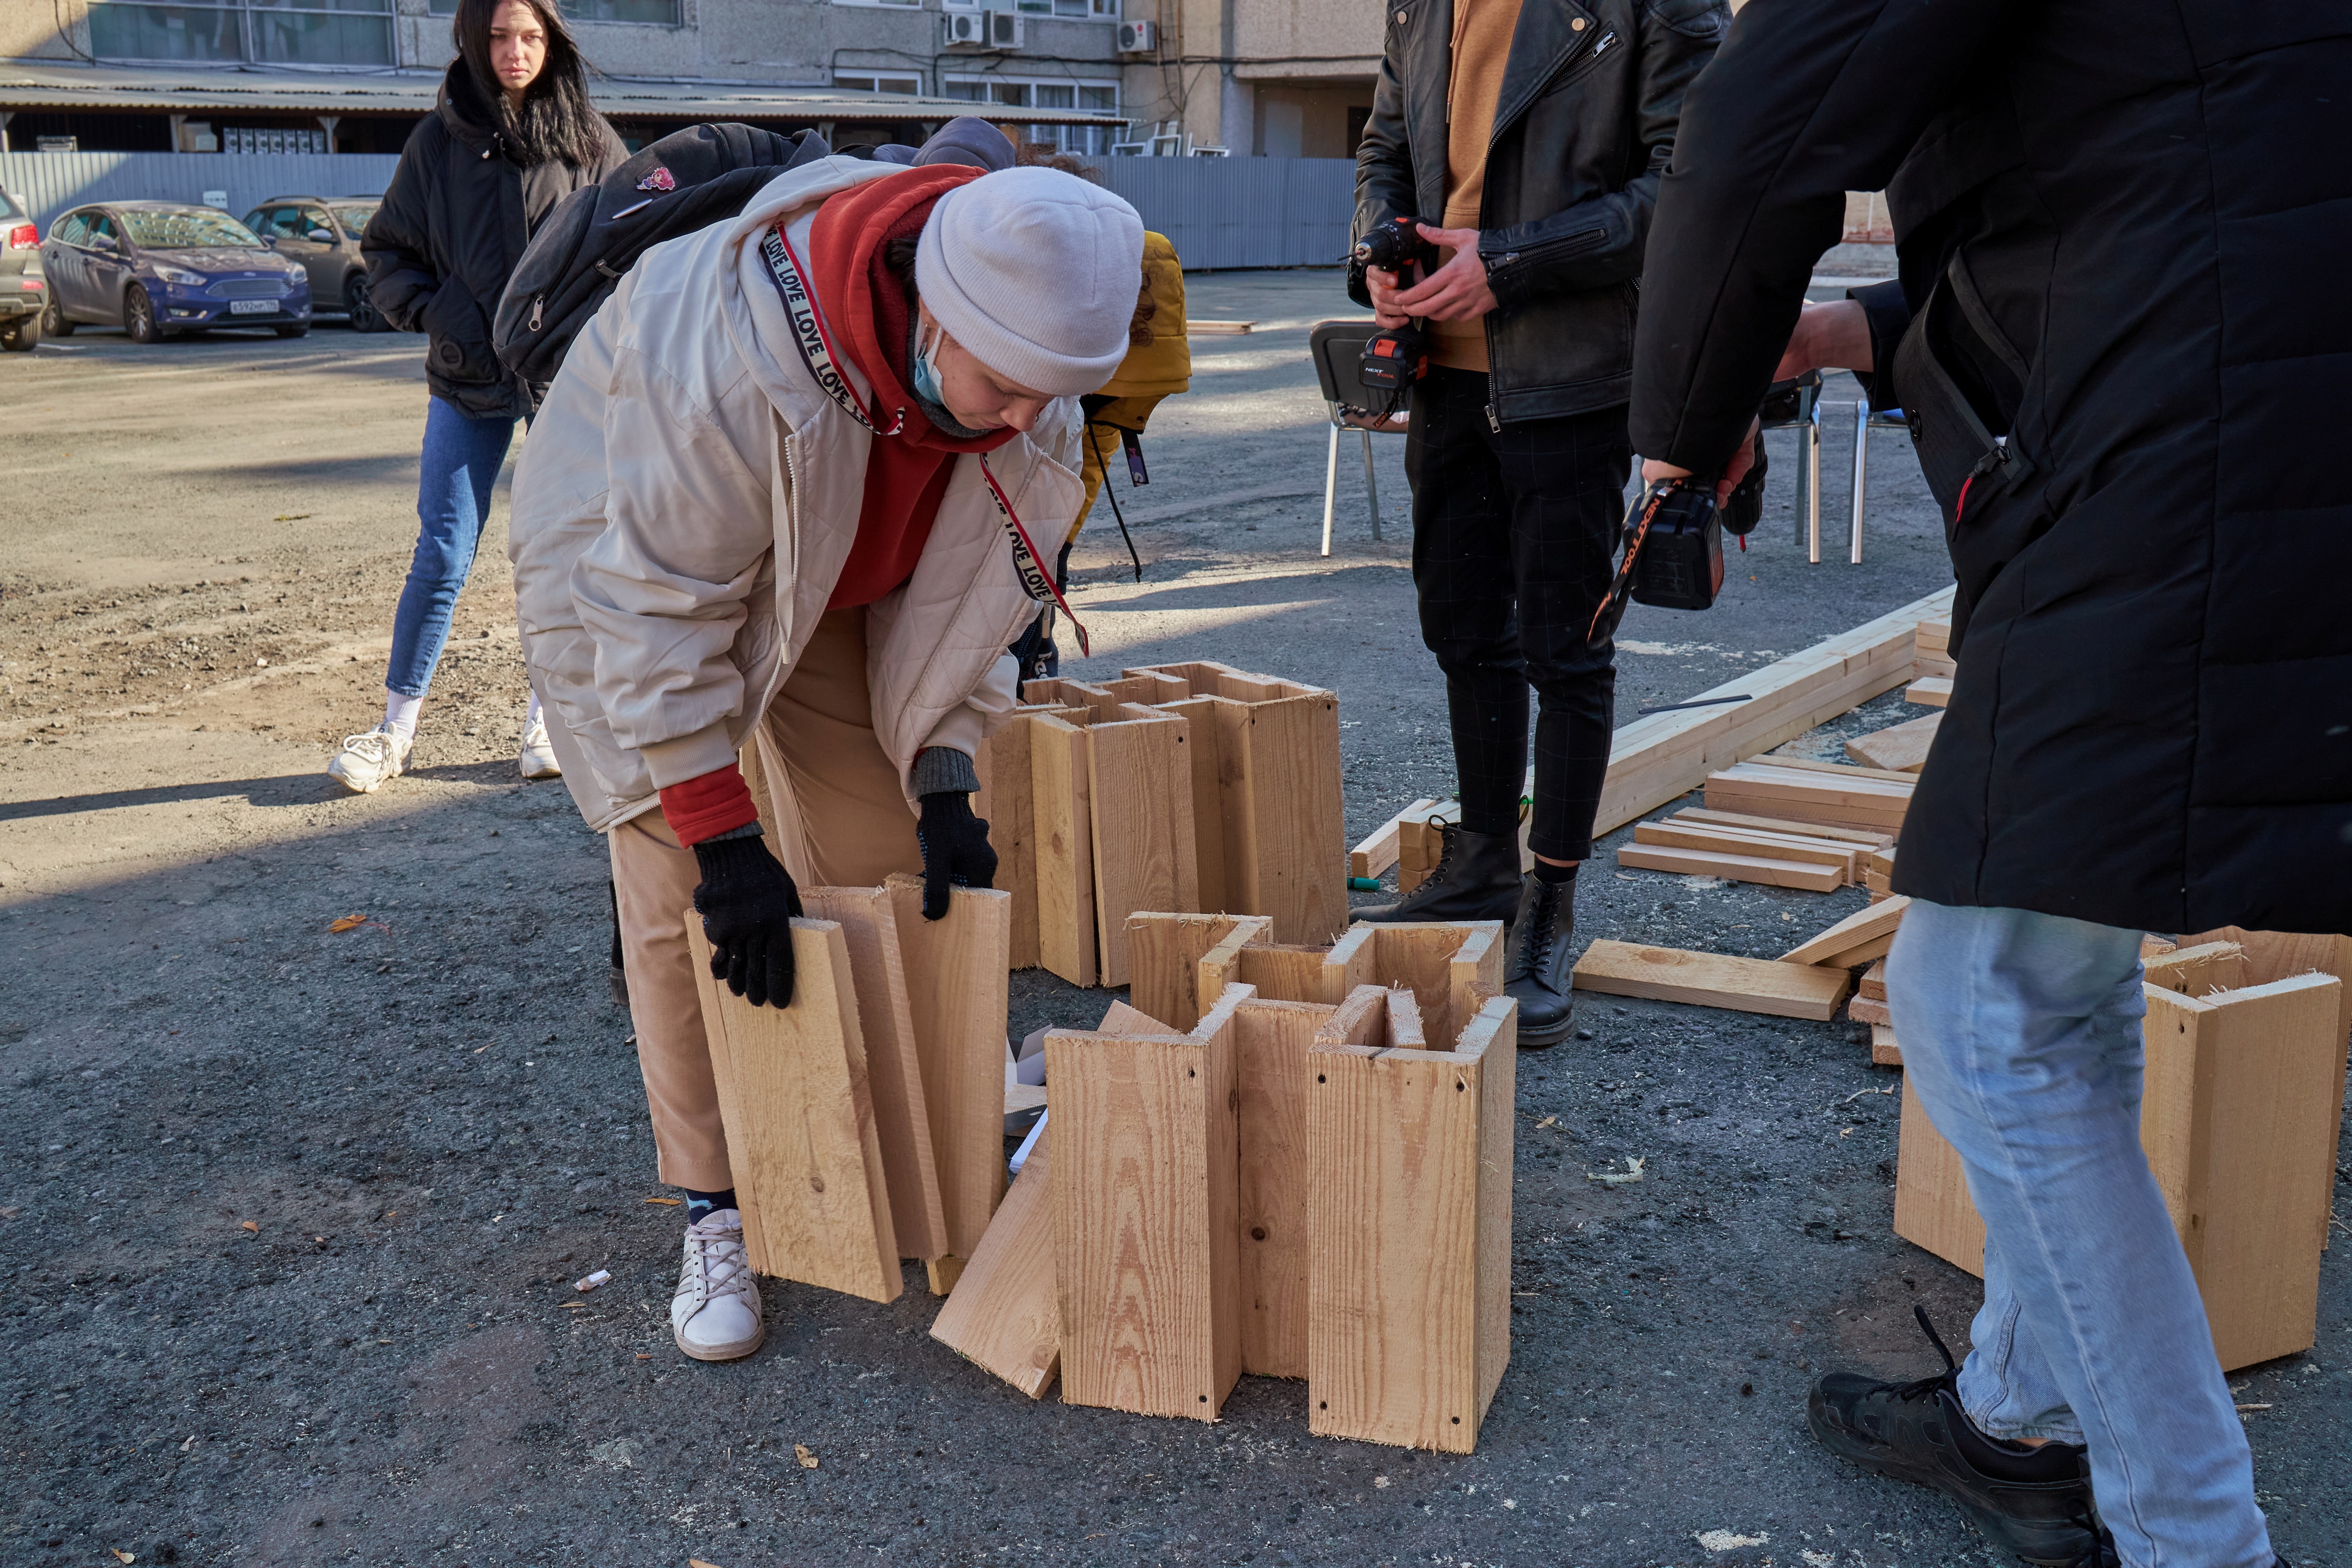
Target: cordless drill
column 1394, row 358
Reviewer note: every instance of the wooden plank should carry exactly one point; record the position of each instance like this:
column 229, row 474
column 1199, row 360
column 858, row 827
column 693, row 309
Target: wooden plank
column 1805, row 795
column 1848, row 771
column 1734, row 867
column 1007, row 803
column 2278, row 956
column 2266, row 1061
column 1883, row 1052
column 1378, row 852
column 1408, row 1294
column 1868, row 1010
column 1139, row 793
column 1421, row 843
column 1927, row 666
column 1068, row 693
column 1935, row 636
column 957, row 995
column 1929, row 691
column 1001, row 1315
column 1450, row 967
column 1653, row 759
column 1747, row 841
column 894, row 1067
column 1221, row 966
column 1294, row 844
column 1145, row 1217
column 1284, row 973
column 1873, row 982
column 2193, row 971
column 1164, row 954
column 800, row 1121
column 1841, row 946
column 1063, row 829
column 1931, row 1192
column 1901, row 747
column 1856, row 835
column 1204, row 747
column 1271, row 1042
column 1710, row 980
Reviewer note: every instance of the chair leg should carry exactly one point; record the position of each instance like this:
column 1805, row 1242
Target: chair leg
column 1372, row 484
column 1331, row 485
column 1810, row 438
column 1861, row 470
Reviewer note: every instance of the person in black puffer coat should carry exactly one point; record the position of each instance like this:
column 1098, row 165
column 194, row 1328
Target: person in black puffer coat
column 513, row 133
column 2113, row 221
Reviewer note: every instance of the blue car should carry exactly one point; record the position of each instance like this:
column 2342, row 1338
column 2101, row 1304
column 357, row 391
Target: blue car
column 157, row 269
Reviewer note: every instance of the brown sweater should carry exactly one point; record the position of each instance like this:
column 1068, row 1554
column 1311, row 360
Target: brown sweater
column 1482, row 47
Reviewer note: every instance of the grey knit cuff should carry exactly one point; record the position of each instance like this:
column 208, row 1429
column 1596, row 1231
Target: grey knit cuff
column 748, row 830
column 943, row 770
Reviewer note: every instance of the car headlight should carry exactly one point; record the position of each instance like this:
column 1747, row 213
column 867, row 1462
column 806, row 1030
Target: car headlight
column 182, row 276
column 295, row 269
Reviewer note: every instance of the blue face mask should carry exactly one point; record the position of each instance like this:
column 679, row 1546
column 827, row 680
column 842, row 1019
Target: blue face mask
column 926, row 372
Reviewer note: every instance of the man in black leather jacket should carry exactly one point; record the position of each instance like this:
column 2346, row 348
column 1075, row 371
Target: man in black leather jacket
column 1529, row 136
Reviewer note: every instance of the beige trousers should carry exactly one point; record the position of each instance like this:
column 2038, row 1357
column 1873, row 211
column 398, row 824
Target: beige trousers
column 833, row 813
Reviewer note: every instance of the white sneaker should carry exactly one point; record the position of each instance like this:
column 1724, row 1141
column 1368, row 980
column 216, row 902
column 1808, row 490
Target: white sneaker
column 538, row 758
column 715, row 1316
column 367, row 760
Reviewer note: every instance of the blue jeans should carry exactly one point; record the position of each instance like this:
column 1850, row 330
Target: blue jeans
column 2022, row 1034
column 461, row 461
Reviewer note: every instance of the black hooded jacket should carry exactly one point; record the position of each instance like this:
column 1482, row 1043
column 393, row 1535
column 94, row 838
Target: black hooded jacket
column 2119, row 224
column 460, row 209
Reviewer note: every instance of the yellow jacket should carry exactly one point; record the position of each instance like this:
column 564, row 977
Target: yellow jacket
column 1150, row 371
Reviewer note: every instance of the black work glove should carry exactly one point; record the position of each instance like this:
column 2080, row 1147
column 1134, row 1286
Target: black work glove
column 955, row 849
column 747, row 901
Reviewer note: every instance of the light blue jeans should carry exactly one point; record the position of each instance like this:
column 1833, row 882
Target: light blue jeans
column 460, row 463
column 2022, row 1034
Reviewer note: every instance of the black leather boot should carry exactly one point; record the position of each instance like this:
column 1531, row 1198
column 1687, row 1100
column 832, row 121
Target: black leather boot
column 1476, row 878
column 1542, row 953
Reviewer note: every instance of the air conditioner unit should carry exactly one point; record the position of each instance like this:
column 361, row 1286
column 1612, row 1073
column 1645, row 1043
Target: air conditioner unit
column 1003, row 31
column 1137, row 37
column 967, row 27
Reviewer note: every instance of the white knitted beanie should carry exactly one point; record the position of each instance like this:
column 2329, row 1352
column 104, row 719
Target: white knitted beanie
column 1036, row 272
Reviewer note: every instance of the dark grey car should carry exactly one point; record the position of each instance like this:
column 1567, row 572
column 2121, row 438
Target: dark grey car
column 322, row 233
column 24, row 288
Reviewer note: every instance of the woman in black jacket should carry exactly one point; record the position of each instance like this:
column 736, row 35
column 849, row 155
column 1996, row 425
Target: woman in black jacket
column 512, row 135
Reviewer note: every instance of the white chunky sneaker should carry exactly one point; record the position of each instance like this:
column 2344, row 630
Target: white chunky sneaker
column 538, row 758
column 367, row 760
column 715, row 1316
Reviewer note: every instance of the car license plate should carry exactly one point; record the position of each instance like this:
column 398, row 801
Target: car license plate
column 253, row 307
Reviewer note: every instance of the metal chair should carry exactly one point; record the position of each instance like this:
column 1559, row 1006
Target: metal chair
column 1865, row 422
column 1336, row 348
column 1797, row 406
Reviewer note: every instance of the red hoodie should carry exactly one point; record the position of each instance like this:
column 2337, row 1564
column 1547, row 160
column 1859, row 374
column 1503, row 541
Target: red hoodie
column 905, row 474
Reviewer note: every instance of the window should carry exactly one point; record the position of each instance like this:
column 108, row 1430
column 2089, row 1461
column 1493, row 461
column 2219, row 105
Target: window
column 858, row 81
column 1088, row 140
column 274, row 32
column 71, row 230
column 275, row 222
column 354, row 215
column 1070, row 10
column 654, row 12
column 188, row 228
column 271, row 139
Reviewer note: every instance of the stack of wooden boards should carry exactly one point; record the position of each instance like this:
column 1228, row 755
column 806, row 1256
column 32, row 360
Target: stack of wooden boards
column 1778, row 852
column 1299, row 1166
column 1807, row 981
column 864, row 1123
column 1178, row 786
column 2245, row 1039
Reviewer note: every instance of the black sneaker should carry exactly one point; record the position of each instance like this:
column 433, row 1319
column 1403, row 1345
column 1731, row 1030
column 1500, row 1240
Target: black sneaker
column 1476, row 878
column 2033, row 1501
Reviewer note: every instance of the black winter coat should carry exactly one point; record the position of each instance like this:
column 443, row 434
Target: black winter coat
column 2152, row 722
column 1583, row 127
column 451, row 228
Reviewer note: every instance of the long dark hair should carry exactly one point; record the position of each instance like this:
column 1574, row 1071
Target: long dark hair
column 557, row 120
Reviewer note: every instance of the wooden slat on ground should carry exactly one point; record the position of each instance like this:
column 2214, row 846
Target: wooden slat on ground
column 957, row 992
column 894, row 1067
column 1001, row 1315
column 1653, row 759
column 1378, row 852
column 1861, row 838
column 1750, row 841
column 793, row 1098
column 1809, row 795
column 1901, row 747
column 1711, row 980
column 1410, row 1291
column 1754, row 868
column 1863, row 935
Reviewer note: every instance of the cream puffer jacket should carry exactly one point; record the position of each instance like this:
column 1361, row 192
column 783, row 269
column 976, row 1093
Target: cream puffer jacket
column 687, row 499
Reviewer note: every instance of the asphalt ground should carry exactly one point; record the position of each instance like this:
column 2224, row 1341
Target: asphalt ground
column 288, row 1217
